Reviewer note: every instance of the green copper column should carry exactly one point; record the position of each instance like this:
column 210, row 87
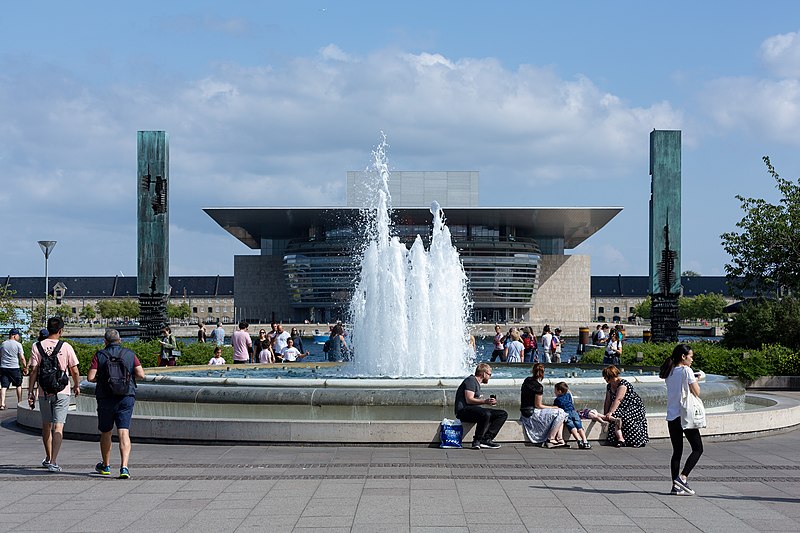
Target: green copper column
column 665, row 233
column 152, row 280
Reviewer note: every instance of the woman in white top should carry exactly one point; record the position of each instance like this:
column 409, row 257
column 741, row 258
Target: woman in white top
column 546, row 339
column 677, row 371
column 514, row 350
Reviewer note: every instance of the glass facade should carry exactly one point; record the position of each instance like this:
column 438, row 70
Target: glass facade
column 502, row 269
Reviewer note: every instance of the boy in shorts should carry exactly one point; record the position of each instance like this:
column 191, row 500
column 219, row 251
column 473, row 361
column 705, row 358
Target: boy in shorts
column 563, row 400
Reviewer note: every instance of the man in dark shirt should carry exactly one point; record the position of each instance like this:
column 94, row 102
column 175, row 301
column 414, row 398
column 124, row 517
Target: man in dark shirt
column 113, row 409
column 468, row 408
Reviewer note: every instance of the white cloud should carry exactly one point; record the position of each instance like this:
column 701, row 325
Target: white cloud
column 265, row 136
column 781, row 54
column 765, row 108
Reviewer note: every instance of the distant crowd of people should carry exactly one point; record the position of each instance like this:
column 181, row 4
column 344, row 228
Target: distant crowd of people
column 274, row 346
column 521, row 346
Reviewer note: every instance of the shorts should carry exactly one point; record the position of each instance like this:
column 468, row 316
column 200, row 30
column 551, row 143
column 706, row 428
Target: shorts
column 54, row 408
column 573, row 420
column 10, row 377
column 114, row 411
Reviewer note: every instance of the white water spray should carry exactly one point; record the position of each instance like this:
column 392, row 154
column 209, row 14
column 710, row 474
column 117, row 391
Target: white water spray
column 410, row 307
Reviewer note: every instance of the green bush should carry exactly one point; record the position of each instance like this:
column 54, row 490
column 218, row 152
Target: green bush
column 147, row 352
column 713, row 358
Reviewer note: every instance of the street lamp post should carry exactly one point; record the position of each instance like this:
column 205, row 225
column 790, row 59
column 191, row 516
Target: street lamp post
column 47, row 247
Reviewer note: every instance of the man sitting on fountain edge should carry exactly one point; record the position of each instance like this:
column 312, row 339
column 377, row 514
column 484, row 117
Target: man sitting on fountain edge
column 469, row 408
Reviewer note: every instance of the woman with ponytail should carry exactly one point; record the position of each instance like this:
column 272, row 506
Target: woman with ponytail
column 678, row 374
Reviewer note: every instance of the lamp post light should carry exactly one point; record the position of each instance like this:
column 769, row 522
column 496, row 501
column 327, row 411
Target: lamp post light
column 47, row 247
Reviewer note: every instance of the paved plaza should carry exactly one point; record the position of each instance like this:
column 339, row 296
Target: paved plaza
column 747, row 485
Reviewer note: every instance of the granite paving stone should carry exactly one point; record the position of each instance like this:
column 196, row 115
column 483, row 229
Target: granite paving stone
column 746, row 485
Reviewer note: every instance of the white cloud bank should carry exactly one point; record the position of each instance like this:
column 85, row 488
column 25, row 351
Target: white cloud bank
column 266, row 136
column 767, row 108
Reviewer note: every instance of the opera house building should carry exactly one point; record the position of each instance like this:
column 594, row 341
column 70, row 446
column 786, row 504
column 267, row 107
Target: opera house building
column 514, row 257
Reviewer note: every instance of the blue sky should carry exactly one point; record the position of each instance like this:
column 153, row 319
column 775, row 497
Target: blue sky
column 271, row 103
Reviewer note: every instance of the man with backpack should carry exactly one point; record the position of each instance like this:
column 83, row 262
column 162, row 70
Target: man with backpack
column 114, row 369
column 51, row 360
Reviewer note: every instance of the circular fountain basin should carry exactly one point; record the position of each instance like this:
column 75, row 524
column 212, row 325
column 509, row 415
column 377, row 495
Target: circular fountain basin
column 316, row 392
column 230, row 407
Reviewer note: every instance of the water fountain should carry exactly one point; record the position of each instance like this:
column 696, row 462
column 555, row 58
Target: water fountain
column 409, row 336
column 409, row 309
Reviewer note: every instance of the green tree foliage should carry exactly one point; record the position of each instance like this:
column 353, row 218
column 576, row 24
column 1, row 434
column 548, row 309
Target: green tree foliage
column 765, row 322
column 118, row 308
column 88, row 312
column 108, row 308
column 702, row 307
column 643, row 308
column 7, row 307
column 180, row 311
column 129, row 309
column 690, row 274
column 765, row 253
column 64, row 311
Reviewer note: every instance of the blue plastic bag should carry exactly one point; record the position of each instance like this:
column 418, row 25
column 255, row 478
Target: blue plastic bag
column 450, row 433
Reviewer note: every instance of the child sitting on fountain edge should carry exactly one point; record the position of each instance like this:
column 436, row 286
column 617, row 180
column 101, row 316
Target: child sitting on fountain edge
column 563, row 400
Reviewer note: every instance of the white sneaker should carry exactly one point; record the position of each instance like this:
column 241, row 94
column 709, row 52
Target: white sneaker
column 45, row 462
column 52, row 467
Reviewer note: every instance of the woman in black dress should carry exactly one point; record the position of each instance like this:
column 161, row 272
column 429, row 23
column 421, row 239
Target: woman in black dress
column 624, row 404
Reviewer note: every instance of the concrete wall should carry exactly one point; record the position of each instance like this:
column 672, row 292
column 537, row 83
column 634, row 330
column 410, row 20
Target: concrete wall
column 564, row 293
column 259, row 288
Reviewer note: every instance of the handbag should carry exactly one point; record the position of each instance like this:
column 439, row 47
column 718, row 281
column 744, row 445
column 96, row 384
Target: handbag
column 693, row 412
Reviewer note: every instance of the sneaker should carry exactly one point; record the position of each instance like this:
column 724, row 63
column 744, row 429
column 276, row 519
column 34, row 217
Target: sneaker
column 489, row 444
column 476, row 445
column 124, row 473
column 45, row 462
column 52, row 467
column 683, row 485
column 678, row 492
column 586, row 445
column 103, row 470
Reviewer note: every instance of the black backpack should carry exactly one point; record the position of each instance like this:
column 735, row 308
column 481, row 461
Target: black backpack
column 117, row 376
column 51, row 378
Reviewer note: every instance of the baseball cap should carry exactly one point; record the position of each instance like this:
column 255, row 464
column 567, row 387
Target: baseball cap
column 43, row 333
column 13, row 331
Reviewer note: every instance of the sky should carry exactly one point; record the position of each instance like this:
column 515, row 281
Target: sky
column 271, row 103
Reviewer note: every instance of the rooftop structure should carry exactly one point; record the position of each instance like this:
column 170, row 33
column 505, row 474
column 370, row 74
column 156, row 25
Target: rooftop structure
column 306, row 267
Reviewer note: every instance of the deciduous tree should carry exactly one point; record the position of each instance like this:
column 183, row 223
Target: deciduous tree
column 765, row 253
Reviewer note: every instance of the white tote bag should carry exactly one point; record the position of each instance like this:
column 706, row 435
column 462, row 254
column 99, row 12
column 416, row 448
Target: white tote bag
column 693, row 412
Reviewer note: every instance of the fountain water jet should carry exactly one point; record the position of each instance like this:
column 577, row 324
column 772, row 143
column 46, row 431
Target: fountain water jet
column 409, row 308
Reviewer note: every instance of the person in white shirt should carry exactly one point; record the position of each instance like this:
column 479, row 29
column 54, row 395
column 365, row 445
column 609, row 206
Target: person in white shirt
column 546, row 339
column 217, row 359
column 290, row 353
column 12, row 366
column 678, row 374
column 280, row 339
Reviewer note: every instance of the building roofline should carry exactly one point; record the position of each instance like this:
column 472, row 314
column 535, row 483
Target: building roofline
column 251, row 224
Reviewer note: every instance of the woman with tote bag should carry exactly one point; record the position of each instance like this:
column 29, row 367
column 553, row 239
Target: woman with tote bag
column 685, row 414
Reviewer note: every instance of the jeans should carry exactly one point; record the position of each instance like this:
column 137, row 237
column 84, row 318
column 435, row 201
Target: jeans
column 676, row 433
column 573, row 420
column 487, row 421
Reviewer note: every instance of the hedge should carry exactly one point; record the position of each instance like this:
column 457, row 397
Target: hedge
column 712, row 358
column 148, row 353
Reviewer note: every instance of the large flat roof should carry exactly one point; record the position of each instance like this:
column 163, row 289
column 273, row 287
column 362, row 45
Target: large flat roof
column 251, row 224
